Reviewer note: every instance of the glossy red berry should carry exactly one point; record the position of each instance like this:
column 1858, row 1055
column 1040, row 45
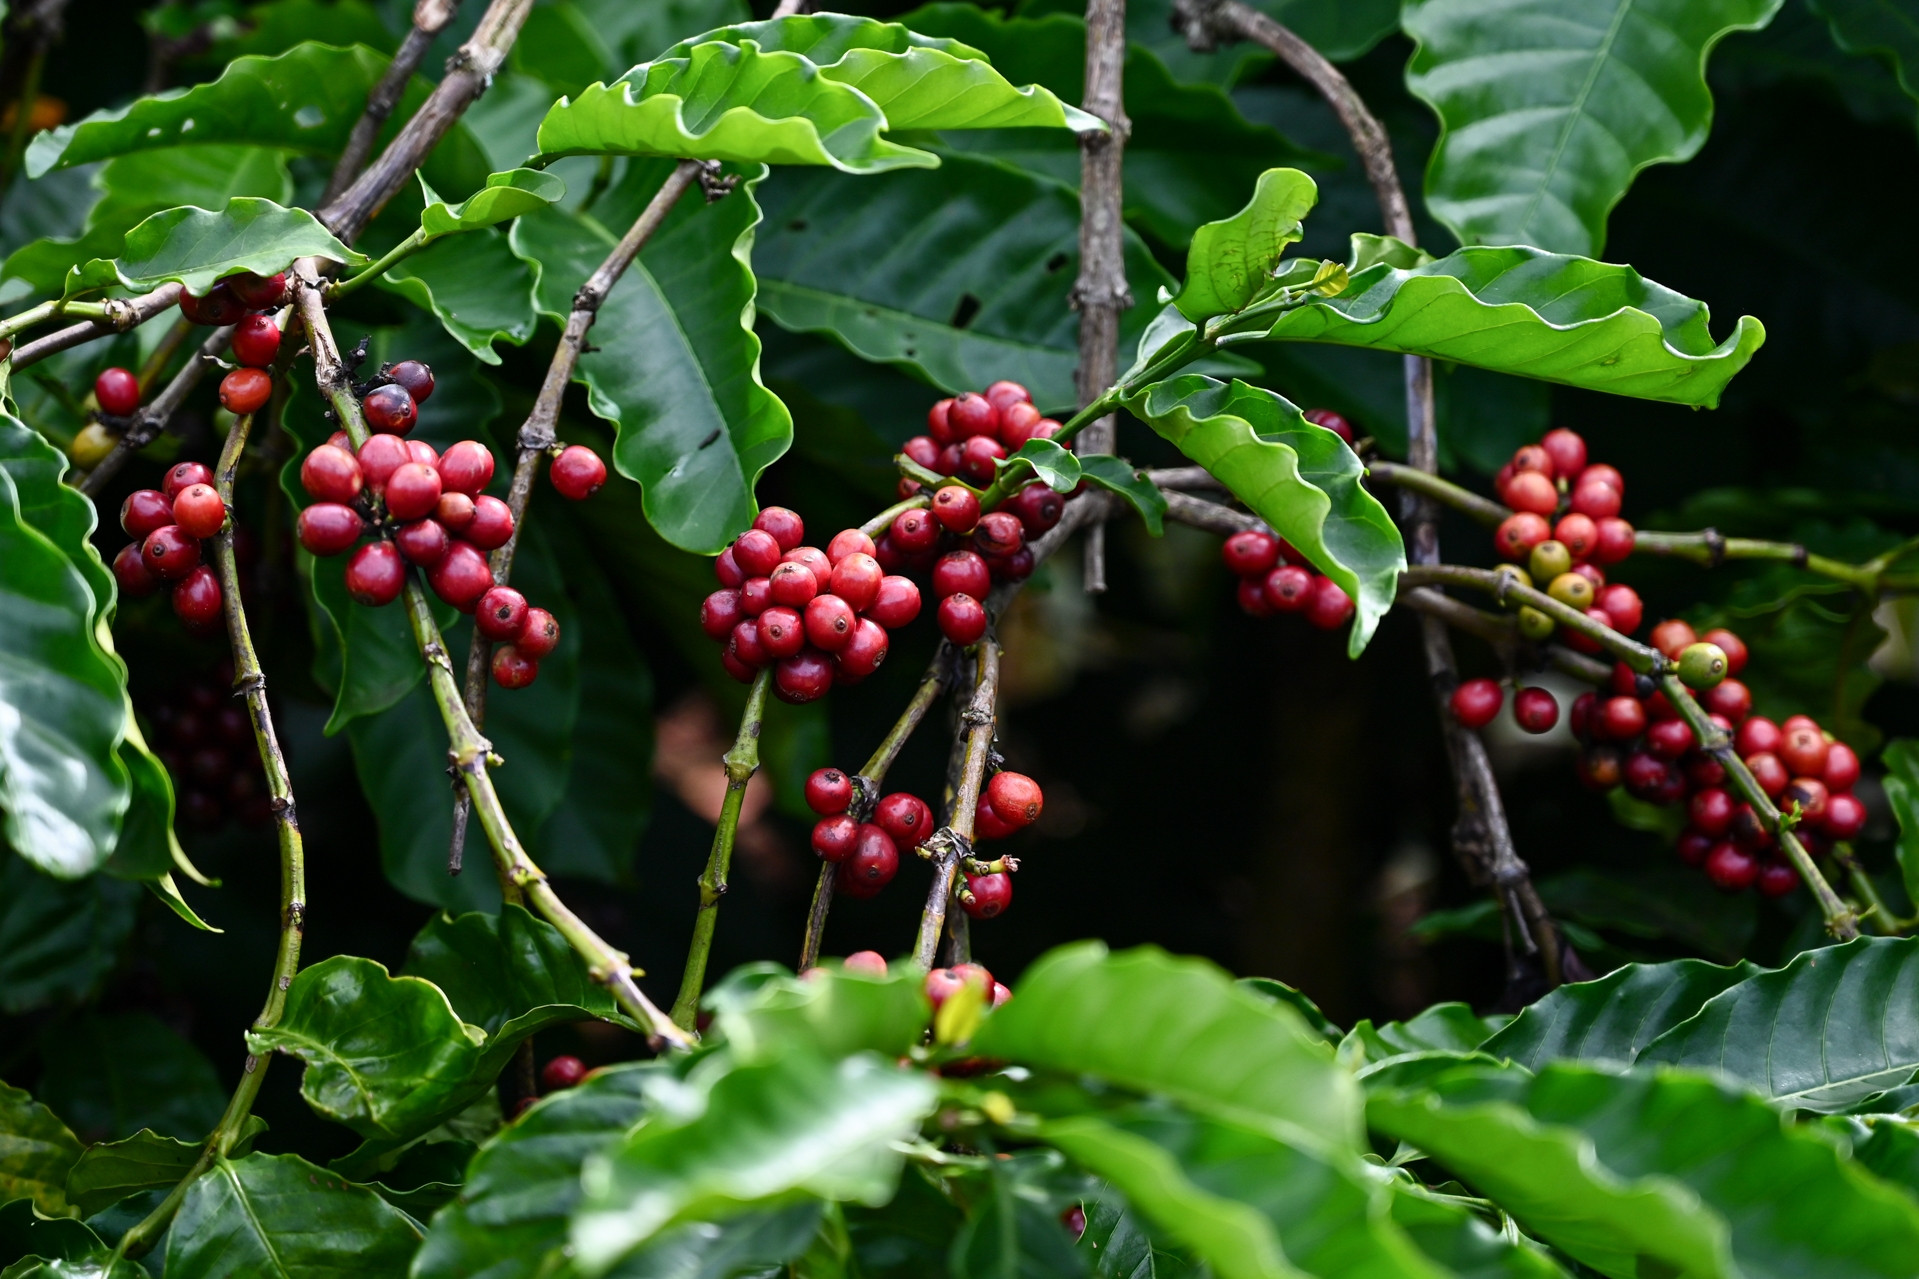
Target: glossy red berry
column 756, row 596
column 1616, row 540
column 784, row 526
column 1250, row 594
column 461, row 576
column 131, row 573
column 972, row 415
column 216, row 307
column 1845, row 816
column 1672, row 638
column 856, row 579
column 1842, row 768
column 199, row 511
column 1476, row 702
column 1620, row 603
column 327, row 528
column 1037, row 507
column 988, row 824
column 144, row 511
column 1288, row 588
column 923, row 449
column 1768, row 772
column 1620, row 719
column 256, row 292
column 466, row 467
column 1332, row 421
column 412, row 491
column 422, row 542
column 1518, row 534
column 872, row 863
column 757, row 552
column 169, row 554
column 863, row 652
column 962, row 619
column 1647, row 776
column 1015, row 799
column 905, row 818
column 803, row 677
column 182, row 474
column 1003, row 393
column 896, row 603
column 1804, row 751
column 829, row 791
column 719, row 614
column 1731, row 645
column 1730, row 698
column 380, row 457
column 416, row 377
column 454, row 510
column 1531, row 457
column 390, row 410
column 829, row 622
column 1529, row 491
column 577, row 473
column 245, row 390
column 1777, row 878
column 942, row 984
column 256, row 340
column 1535, row 709
column 987, row 895
column 848, row 541
column 562, row 1072
column 1711, row 810
column 492, row 524
column 117, row 391
column 1810, row 794
column 792, row 584
column 1329, row 607
column 1019, row 423
column 915, row 531
column 1577, row 533
column 1250, row 554
column 196, row 598
column 1669, row 738
column 375, row 574
column 782, row 633
column 501, row 613
column 540, row 635
column 961, row 573
column 332, row 474
column 1731, row 867
column 512, row 668
column 956, row 509
column 1757, row 734
column 1567, row 450
column 834, row 836
column 999, row 534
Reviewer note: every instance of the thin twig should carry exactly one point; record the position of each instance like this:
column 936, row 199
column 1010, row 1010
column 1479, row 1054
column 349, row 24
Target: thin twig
column 741, row 763
column 122, row 314
column 157, row 413
column 955, row 839
column 429, row 19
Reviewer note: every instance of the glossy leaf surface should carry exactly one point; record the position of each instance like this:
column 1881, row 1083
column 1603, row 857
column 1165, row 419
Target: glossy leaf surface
column 494, row 969
column 505, row 196
column 279, row 1217
column 36, row 1152
column 1614, row 1017
column 196, row 247
column 1230, row 261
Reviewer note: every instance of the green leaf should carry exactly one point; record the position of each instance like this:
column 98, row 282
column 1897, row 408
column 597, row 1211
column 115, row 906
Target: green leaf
column 24, row 1233
column 1901, row 783
column 1218, row 1047
column 1342, row 30
column 1013, row 1230
column 197, row 247
column 677, row 365
column 1549, row 108
column 1541, row 315
column 1115, row 1243
column 1117, row 475
column 111, row 1075
column 109, row 1172
column 511, row 1215
column 1007, row 245
column 1833, row 1026
column 1451, row 1028
column 36, row 1152
column 762, row 1011
column 1614, row 1017
column 1656, row 1173
column 475, row 285
column 1466, row 1246
column 1040, row 460
column 1300, row 478
column 58, row 938
column 498, row 969
column 1876, row 27
column 279, row 1217
column 506, row 196
column 306, row 100
column 755, row 1243
column 748, row 1135
column 1229, row 262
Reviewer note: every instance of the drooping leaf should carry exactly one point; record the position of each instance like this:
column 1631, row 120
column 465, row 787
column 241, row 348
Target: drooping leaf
column 1117, row 475
column 1222, row 1049
column 279, row 1217
column 1833, row 1026
column 479, row 290
column 1231, row 260
column 1901, row 784
column 58, row 938
column 751, row 1135
column 677, row 365
column 1452, row 1028
column 1540, row 315
column 496, row 969
column 505, row 196
column 36, row 1152
column 110, row 1075
column 199, row 246
column 1300, row 478
column 761, row 1013
column 1549, row 108
column 973, row 282
column 1041, row 460
column 110, row 1171
column 1614, row 1017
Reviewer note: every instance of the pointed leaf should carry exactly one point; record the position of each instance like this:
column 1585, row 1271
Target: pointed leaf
column 1540, row 315
column 279, row 1217
column 1549, row 108
column 36, row 1152
column 505, row 196
column 110, row 1171
column 1833, row 1026
column 1614, row 1017
column 475, row 285
column 1041, row 460
column 1300, row 478
column 1230, row 261
column 1117, row 475
column 1219, row 1048
column 746, row 1136
column 1299, row 1001
column 197, row 247
column 495, row 969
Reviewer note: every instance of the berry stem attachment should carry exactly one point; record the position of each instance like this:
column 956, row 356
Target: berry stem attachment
column 931, row 685
column 741, row 763
column 975, row 742
column 155, row 416
column 884, row 520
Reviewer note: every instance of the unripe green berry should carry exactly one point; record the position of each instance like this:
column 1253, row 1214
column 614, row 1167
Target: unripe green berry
column 1702, row 665
column 1549, row 559
column 1573, row 590
column 1533, row 624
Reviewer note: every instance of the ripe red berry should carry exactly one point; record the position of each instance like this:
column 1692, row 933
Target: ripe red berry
column 988, row 824
column 196, row 598
column 117, row 391
column 1711, row 810
column 562, row 1072
column 1015, row 799
column 1018, row 423
column 375, row 574
column 869, row 962
column 756, row 596
column 577, row 473
column 834, row 836
column 422, row 542
column 829, row 622
column 512, row 668
column 1596, row 501
column 1768, row 772
column 1567, row 450
column 1476, row 702
column 1532, row 492
column 988, row 895
column 256, row 340
column 961, row 573
column 412, row 491
column 1620, row 719
column 461, row 576
column 1757, row 734
column 1669, row 738
column 1845, row 816
column 245, row 390
column 956, row 509
column 1616, row 540
column 1672, row 638
column 806, row 675
column 744, row 645
column 1287, row 589
column 1535, row 709
column 1037, row 507
column 131, row 573
column 466, row 467
column 501, row 613
column 1620, row 603
column 390, row 410
column 169, row 554
column 255, row 292
column 1251, row 596
column 1578, row 534
column 1330, row 607
column 972, row 415
column 492, row 524
column 1731, row 868
column 454, row 510
column 183, row 474
column 1804, row 751
column 199, row 511
column 1810, row 794
column 1531, row 457
column 719, row 614
column 1842, row 768
column 1004, row 393
column 905, row 818
column 792, row 584
column 416, row 377
column 1600, row 473
column 863, row 651
column 1652, row 779
column 915, row 531
column 942, row 984
column 856, row 579
column 215, row 308
column 144, row 511
column 872, row 863
column 962, row 619
column 848, row 541
column 782, row 633
column 829, row 791
column 1518, row 534
column 785, row 526
column 896, row 603
column 1250, row 554
column 756, row 552
column 1730, row 698
column 923, row 449
column 1332, row 421
column 1777, row 878
column 327, row 528
column 422, row 452
column 331, row 474
column 380, row 457
column 939, row 422
column 999, row 534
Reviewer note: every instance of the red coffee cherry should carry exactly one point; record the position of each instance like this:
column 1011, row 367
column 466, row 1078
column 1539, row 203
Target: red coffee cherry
column 1287, row 589
column 1330, row 607
column 256, row 340
column 848, row 541
column 803, row 677
column 962, row 619
column 1015, row 799
column 131, row 573
column 961, row 573
column 905, row 818
column 540, row 636
column 988, row 824
column 1711, row 810
column 422, row 542
column 196, row 598
column 1531, row 457
column 331, row 474
column 1769, row 772
column 943, row 983
column 719, row 614
column 1476, row 702
column 1811, row 796
column 1653, row 779
column 1518, row 534
column 915, row 531
column 829, row 791
column 863, row 651
column 1672, row 638
column 562, row 1072
column 492, row 524
column 785, row 526
column 117, row 391
column 1567, row 450
column 870, row 962
column 327, row 528
column 461, row 576
column 1804, row 751
column 512, row 668
column 999, row 534
column 1251, row 596
column 856, row 579
column 792, row 584
column 1616, row 540
column 215, row 308
column 466, row 467
column 1578, row 534
column 972, row 415
column 872, row 863
column 1535, row 709
column 199, row 511
column 454, row 510
column 1757, row 734
column 1003, row 393
column 1622, row 605
column 939, row 422
column 1533, row 492
column 501, row 613
column 922, row 449
column 1731, row 868
column 896, row 603
column 1845, row 816
column 1620, row 719
column 182, row 475
column 1669, row 738
column 1596, row 501
column 1842, row 768
column 578, row 473
column 412, row 491
column 144, row 511
column 814, row 560
column 422, row 452
column 1332, row 421
column 1250, row 554
column 834, row 836
column 988, row 895
column 245, row 390
column 257, row 293
column 756, row 552
column 1037, row 507
column 782, row 633
column 1729, row 698
column 390, row 410
column 416, row 377
column 380, row 457
column 829, row 622
column 756, row 596
column 1017, row 424
column 1777, row 878
column 375, row 575
column 169, row 554
column 956, row 509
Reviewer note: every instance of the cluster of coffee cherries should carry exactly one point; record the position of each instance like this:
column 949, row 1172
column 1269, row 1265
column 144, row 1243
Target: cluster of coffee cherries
column 1564, row 529
column 939, row 985
column 167, row 526
column 1275, row 578
column 817, row 618
column 969, row 434
column 202, row 734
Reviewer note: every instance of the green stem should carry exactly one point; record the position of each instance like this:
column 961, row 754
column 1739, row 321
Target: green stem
column 741, row 763
column 884, row 520
column 45, row 311
column 1504, row 587
column 1708, row 548
column 404, row 249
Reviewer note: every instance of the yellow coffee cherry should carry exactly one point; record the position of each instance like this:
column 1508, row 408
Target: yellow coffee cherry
column 1533, row 624
column 1518, row 576
column 91, row 445
column 1549, row 560
column 1573, row 590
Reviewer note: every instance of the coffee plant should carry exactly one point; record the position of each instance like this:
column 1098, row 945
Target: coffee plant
column 954, row 401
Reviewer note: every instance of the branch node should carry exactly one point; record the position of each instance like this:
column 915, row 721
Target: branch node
column 1715, row 547
column 714, row 184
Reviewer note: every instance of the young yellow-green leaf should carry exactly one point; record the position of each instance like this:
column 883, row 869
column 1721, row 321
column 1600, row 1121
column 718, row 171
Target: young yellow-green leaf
column 506, row 196
column 1230, row 261
column 1536, row 314
column 1614, row 1017
column 1300, row 478
column 1117, row 475
column 279, row 1217
column 36, row 1152
column 1549, row 109
column 199, row 246
column 1219, row 1047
